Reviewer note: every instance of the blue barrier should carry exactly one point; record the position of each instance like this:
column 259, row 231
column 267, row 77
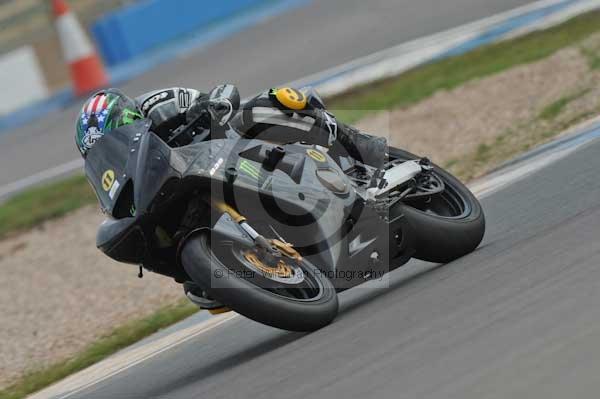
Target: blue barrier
column 130, row 31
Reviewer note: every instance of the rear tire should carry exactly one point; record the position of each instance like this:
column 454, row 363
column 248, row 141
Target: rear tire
column 254, row 302
column 438, row 238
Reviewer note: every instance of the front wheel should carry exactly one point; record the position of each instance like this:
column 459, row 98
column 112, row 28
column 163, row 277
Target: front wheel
column 291, row 294
column 446, row 225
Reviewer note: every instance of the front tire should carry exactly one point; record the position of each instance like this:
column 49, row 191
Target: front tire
column 266, row 305
column 450, row 226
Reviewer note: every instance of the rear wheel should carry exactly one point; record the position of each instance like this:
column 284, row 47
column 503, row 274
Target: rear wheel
column 286, row 293
column 446, row 225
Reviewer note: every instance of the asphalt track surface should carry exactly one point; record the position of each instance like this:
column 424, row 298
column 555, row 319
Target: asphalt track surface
column 518, row 318
column 307, row 40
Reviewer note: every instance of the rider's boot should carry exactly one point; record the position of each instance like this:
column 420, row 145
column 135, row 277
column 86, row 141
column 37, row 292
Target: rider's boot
column 370, row 150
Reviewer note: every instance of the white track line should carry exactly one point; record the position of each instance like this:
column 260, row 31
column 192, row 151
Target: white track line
column 558, row 18
column 41, row 177
column 395, row 60
column 495, row 183
column 127, row 359
column 572, row 140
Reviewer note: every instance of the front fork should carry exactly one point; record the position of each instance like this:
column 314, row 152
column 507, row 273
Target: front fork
column 226, row 228
column 272, row 246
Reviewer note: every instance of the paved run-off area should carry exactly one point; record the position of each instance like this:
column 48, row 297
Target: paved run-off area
column 58, row 293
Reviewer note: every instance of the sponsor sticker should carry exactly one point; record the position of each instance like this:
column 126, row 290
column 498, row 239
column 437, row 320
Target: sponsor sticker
column 216, row 166
column 291, row 98
column 156, row 99
column 113, row 189
column 108, row 179
column 249, row 169
column 316, row 155
column 184, row 98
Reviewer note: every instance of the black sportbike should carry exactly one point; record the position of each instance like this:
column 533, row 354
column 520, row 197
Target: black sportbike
column 273, row 231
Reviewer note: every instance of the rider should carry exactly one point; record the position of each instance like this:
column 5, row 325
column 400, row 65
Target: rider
column 284, row 115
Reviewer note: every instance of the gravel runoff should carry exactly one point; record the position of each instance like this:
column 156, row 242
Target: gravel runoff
column 51, row 307
column 58, row 293
column 452, row 124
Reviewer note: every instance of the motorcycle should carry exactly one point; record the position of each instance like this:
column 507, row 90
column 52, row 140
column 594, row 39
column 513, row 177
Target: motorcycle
column 270, row 230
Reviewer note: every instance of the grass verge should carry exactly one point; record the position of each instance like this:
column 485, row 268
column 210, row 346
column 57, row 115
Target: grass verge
column 119, row 338
column 510, row 144
column 592, row 56
column 421, row 82
column 554, row 109
column 39, row 204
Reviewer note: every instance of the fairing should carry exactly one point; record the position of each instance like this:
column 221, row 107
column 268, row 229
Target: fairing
column 305, row 198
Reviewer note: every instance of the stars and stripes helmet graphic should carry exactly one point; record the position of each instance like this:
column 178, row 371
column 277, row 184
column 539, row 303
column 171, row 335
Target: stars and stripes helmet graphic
column 104, row 111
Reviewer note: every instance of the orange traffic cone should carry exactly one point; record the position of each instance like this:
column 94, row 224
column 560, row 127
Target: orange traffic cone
column 87, row 71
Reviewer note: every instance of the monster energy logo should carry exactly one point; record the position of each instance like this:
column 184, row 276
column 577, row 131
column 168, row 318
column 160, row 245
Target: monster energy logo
column 249, row 169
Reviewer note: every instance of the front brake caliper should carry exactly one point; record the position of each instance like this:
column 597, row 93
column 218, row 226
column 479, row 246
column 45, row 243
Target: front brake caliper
column 287, row 249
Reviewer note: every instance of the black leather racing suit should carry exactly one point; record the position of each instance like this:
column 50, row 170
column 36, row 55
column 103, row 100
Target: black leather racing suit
column 265, row 117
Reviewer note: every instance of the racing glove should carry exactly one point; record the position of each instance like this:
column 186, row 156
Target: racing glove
column 218, row 107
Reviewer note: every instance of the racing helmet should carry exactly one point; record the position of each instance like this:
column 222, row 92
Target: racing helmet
column 101, row 113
